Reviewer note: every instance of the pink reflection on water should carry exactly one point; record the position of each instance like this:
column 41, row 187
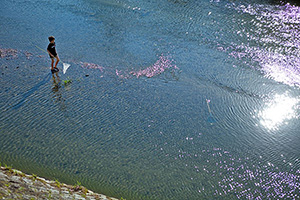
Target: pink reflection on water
column 122, row 74
column 87, row 65
column 162, row 64
column 28, row 55
column 275, row 30
column 8, row 53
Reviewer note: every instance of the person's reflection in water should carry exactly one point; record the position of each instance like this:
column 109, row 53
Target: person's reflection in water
column 57, row 96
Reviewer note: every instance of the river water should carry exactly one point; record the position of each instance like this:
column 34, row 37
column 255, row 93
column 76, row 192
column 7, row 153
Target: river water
column 171, row 99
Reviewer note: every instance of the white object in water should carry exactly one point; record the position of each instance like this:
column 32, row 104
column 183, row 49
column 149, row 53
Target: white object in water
column 65, row 67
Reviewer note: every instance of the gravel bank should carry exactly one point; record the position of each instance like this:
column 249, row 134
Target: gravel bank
column 15, row 184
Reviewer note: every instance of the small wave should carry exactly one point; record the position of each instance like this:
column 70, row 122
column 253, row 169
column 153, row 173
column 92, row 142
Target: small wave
column 273, row 41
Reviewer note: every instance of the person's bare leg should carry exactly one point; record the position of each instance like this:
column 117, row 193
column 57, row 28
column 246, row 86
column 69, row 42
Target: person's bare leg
column 52, row 62
column 57, row 60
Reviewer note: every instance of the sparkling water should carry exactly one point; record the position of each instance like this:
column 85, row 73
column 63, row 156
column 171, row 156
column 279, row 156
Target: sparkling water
column 166, row 100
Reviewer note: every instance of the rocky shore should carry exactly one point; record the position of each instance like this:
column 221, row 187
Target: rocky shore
column 15, row 184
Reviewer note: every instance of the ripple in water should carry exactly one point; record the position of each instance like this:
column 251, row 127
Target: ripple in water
column 242, row 177
column 272, row 41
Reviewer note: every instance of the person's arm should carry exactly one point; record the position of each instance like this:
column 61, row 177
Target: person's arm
column 50, row 53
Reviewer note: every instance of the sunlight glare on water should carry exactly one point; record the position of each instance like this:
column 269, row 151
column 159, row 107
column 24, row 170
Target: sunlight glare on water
column 279, row 111
column 158, row 101
column 274, row 42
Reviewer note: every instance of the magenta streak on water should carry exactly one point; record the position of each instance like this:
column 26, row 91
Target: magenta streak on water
column 15, row 53
column 162, row 64
column 122, row 74
column 8, row 53
column 28, row 55
column 91, row 66
column 277, row 28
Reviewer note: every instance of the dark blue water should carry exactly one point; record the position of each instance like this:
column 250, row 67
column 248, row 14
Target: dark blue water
column 167, row 100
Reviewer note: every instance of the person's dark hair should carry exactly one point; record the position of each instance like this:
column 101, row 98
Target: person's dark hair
column 51, row 38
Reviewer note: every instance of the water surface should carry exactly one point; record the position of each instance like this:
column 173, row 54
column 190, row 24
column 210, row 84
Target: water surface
column 168, row 100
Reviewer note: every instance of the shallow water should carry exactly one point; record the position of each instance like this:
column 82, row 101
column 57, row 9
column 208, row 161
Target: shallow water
column 168, row 100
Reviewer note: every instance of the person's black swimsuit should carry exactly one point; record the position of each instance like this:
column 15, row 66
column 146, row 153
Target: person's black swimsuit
column 51, row 49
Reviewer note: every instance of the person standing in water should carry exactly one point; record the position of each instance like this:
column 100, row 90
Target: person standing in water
column 52, row 53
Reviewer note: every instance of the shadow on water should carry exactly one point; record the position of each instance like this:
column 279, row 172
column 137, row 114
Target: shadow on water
column 57, row 96
column 31, row 91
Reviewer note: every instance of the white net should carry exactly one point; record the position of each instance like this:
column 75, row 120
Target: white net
column 65, row 67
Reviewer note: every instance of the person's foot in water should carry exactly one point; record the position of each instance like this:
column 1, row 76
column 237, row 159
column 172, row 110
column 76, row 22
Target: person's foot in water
column 55, row 69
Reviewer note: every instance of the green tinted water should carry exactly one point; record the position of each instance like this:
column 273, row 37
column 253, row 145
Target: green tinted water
column 123, row 134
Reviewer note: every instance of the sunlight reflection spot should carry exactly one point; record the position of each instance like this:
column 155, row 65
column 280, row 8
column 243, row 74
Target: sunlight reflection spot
column 278, row 111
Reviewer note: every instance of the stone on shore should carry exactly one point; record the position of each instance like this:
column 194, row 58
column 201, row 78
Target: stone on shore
column 15, row 184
